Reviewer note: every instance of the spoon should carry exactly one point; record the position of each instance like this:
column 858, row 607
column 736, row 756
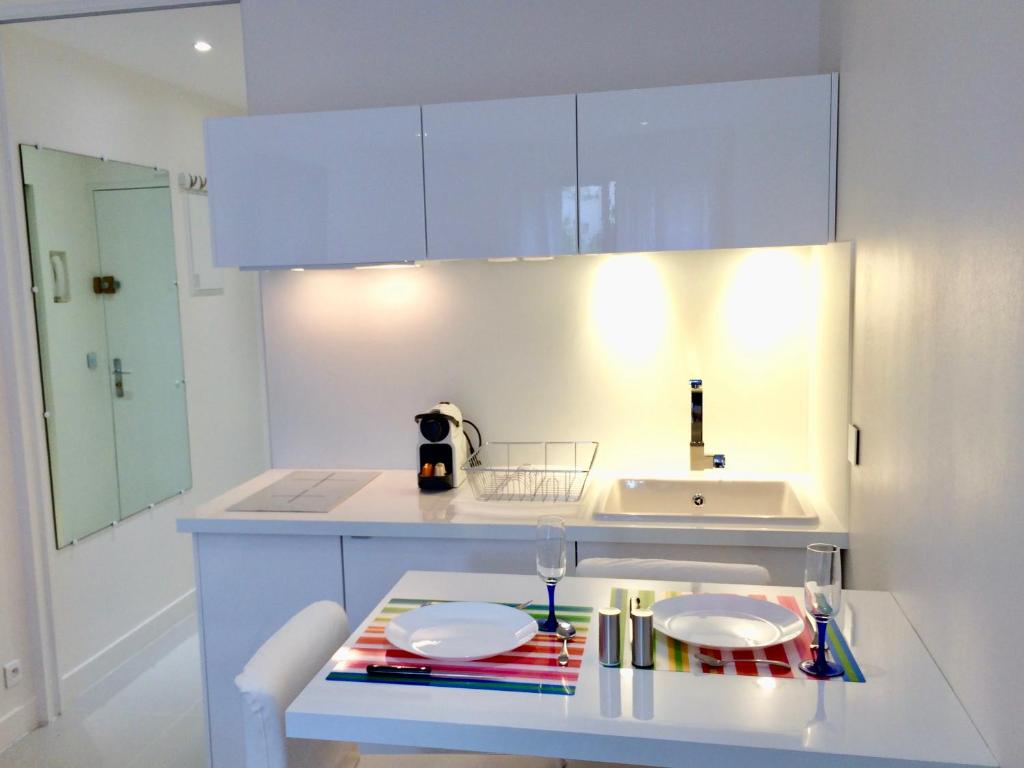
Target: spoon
column 566, row 631
column 711, row 661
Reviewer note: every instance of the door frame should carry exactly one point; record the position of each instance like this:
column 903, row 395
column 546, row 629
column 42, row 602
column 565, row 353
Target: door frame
column 24, row 410
column 66, row 9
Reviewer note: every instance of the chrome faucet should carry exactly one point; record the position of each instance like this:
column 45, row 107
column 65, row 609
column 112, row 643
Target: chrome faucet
column 699, row 459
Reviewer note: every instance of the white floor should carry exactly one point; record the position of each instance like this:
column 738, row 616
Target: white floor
column 146, row 714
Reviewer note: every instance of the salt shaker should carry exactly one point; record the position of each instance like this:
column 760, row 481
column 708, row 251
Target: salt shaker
column 609, row 637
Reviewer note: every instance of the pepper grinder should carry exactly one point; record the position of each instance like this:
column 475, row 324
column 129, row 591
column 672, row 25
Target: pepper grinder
column 642, row 622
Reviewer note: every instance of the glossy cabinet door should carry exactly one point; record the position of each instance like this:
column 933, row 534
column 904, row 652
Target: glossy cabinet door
column 316, row 189
column 374, row 563
column 501, row 178
column 721, row 165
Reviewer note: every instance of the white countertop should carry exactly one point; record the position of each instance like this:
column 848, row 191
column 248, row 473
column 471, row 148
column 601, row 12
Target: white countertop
column 392, row 505
column 905, row 714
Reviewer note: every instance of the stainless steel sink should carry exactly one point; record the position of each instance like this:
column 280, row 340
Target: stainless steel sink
column 726, row 500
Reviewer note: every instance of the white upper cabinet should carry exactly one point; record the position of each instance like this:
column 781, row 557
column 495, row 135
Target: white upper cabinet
column 501, row 178
column 316, row 189
column 722, row 165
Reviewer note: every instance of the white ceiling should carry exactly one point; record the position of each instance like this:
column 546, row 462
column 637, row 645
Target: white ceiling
column 159, row 44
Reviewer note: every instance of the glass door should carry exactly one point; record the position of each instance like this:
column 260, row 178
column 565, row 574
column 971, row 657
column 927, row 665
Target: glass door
column 147, row 379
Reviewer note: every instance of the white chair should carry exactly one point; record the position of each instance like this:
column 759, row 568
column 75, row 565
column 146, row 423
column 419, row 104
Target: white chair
column 673, row 570
column 278, row 672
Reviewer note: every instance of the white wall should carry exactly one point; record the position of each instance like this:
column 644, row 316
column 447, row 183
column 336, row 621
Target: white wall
column 116, row 588
column 931, row 186
column 324, row 54
column 17, row 710
column 588, row 347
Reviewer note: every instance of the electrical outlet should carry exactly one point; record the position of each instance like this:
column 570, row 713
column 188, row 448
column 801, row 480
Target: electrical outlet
column 12, row 673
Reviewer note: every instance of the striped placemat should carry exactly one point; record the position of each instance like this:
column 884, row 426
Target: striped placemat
column 530, row 668
column 677, row 656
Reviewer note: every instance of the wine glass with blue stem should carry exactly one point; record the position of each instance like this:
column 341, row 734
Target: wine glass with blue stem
column 823, row 594
column 550, row 562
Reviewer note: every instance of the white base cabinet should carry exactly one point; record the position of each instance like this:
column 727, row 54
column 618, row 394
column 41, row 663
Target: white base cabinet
column 248, row 587
column 374, row 564
column 786, row 565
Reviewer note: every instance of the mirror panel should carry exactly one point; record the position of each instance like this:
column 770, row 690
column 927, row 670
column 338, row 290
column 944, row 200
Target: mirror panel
column 102, row 249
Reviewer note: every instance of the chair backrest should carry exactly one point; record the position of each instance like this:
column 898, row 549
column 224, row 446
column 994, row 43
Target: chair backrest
column 278, row 672
column 673, row 570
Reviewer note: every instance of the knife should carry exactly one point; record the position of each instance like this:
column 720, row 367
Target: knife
column 416, row 672
column 397, row 670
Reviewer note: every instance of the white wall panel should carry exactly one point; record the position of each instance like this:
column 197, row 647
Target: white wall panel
column 931, row 182
column 582, row 347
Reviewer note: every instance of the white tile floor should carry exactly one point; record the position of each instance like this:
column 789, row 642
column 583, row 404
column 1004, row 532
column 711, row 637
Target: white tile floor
column 148, row 713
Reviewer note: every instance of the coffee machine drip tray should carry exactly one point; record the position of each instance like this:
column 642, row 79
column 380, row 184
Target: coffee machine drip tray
column 306, row 491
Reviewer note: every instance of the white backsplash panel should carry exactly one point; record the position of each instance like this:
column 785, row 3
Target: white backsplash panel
column 578, row 348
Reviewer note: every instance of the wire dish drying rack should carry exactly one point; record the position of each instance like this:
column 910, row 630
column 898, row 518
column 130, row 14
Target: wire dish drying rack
column 544, row 472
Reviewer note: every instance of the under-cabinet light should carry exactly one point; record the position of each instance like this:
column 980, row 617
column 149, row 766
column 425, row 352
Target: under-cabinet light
column 391, row 265
column 202, row 46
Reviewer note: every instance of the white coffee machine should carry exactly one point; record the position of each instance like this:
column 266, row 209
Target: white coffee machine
column 443, row 448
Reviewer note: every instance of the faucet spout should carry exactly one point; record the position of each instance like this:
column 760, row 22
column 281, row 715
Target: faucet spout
column 696, row 413
column 698, row 459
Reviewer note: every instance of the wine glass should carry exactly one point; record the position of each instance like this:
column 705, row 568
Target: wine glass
column 823, row 594
column 550, row 562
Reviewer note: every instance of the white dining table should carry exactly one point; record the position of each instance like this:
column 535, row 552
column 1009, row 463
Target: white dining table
column 905, row 714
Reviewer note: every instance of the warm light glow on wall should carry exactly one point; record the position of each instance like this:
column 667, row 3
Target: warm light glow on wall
column 766, row 301
column 395, row 290
column 323, row 298
column 629, row 307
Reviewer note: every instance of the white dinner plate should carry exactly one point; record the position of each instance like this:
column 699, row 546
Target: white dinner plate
column 725, row 621
column 461, row 631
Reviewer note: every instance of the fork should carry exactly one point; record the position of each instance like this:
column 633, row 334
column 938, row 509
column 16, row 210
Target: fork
column 711, row 661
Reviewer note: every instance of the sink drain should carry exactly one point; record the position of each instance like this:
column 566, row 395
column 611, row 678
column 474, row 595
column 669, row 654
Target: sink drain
column 698, row 499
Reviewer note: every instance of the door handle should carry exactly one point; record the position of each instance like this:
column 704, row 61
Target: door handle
column 119, row 374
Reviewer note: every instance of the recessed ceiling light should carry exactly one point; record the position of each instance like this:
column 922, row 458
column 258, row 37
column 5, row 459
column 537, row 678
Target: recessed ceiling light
column 202, row 46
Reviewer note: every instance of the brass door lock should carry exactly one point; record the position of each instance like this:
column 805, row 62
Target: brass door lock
column 105, row 284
